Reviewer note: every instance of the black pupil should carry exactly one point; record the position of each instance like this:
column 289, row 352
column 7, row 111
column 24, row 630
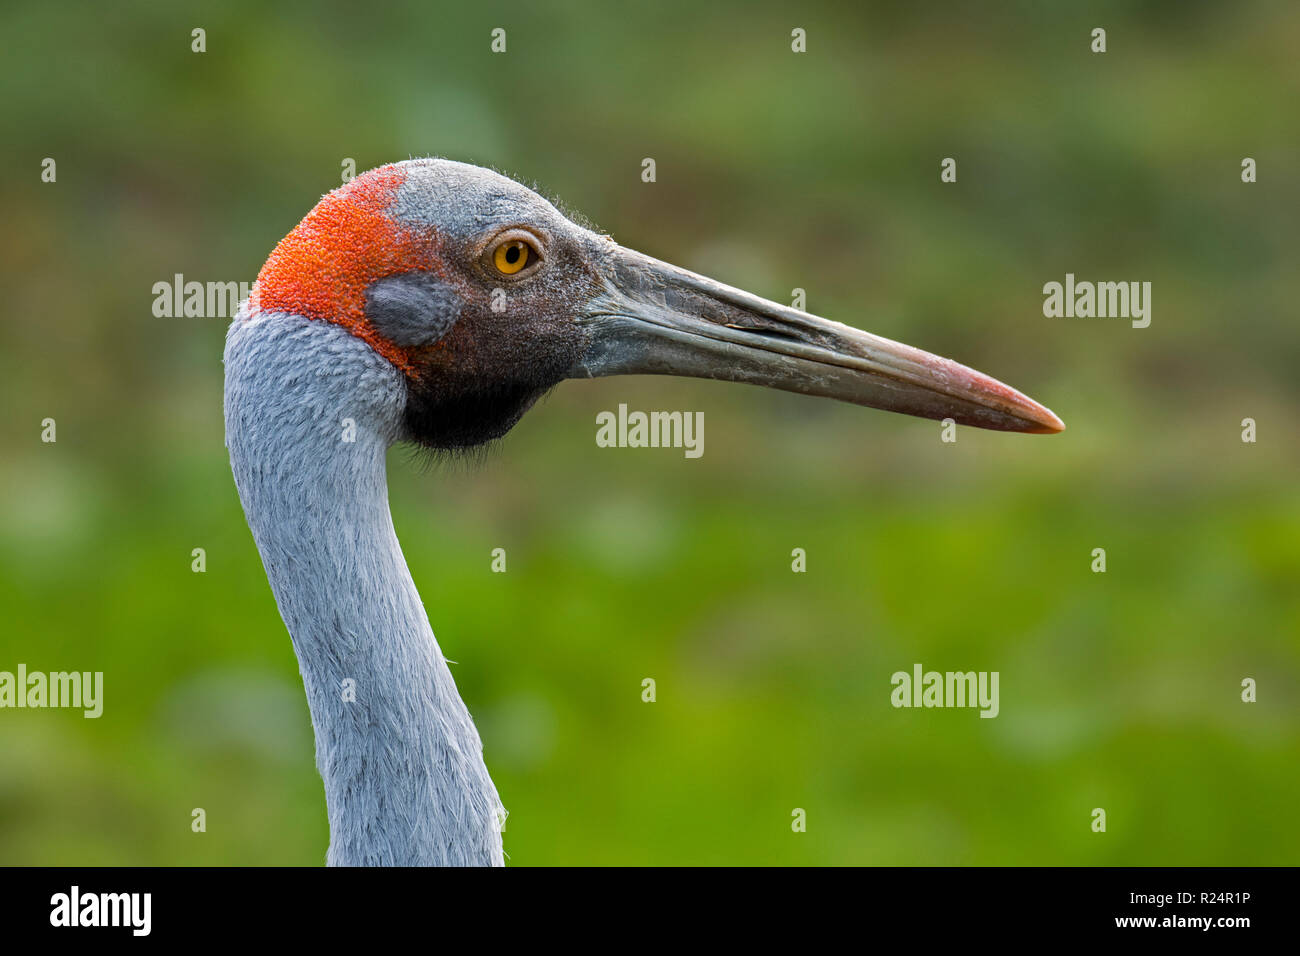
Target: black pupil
column 512, row 255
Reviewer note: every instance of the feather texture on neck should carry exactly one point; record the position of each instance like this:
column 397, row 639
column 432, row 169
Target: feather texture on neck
column 402, row 763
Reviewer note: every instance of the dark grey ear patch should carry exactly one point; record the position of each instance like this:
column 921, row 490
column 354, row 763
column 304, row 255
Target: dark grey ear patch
column 413, row 308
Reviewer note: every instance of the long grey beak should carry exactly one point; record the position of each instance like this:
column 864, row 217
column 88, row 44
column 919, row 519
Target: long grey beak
column 656, row 319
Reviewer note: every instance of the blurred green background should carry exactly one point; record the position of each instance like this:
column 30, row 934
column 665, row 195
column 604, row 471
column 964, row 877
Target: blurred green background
column 775, row 170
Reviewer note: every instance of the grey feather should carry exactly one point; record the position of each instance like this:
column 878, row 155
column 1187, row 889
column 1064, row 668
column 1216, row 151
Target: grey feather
column 413, row 308
column 403, row 768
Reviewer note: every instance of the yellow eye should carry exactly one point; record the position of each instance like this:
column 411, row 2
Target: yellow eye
column 512, row 256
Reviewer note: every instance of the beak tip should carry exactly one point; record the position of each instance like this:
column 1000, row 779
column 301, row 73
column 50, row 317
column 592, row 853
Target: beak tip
column 1045, row 422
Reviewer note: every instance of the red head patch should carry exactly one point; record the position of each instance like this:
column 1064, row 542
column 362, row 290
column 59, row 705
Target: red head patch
column 321, row 269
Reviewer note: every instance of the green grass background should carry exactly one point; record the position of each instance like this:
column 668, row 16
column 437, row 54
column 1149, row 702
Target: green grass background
column 775, row 170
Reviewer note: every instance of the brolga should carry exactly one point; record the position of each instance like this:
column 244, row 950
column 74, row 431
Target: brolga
column 434, row 302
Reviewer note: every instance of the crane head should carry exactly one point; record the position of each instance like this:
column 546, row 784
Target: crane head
column 485, row 296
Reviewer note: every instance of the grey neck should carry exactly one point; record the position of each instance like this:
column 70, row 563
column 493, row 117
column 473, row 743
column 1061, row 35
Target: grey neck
column 310, row 413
